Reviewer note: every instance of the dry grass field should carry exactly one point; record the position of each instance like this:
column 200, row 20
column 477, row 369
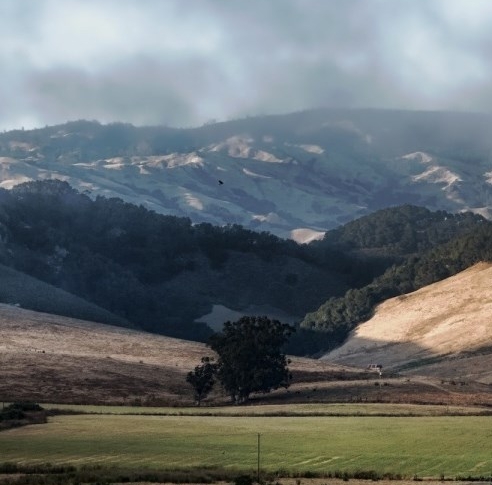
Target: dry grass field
column 435, row 345
column 48, row 358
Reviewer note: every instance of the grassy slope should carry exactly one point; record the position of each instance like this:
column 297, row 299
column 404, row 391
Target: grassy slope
column 56, row 359
column 443, row 330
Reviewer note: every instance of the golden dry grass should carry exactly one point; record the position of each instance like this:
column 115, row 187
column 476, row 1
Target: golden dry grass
column 442, row 330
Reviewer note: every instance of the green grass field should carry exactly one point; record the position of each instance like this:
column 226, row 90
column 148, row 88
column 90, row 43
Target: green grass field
column 424, row 446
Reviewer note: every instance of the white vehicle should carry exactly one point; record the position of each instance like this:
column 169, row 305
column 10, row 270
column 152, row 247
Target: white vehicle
column 376, row 368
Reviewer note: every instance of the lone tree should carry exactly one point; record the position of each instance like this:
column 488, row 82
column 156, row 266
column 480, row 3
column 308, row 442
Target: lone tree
column 250, row 357
column 202, row 379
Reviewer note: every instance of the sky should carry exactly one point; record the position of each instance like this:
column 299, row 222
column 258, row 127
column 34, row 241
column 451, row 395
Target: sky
column 183, row 63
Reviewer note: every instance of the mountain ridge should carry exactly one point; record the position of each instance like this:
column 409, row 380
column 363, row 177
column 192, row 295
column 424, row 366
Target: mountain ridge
column 294, row 175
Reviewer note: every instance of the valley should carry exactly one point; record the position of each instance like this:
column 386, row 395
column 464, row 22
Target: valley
column 362, row 190
column 106, row 305
column 245, row 243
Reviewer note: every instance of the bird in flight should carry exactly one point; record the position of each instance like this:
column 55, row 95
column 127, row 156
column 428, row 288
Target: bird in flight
column 220, row 182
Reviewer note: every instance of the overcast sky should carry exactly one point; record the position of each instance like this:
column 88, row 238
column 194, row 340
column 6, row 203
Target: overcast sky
column 185, row 62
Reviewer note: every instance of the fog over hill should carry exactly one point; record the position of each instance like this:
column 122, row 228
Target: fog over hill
column 294, row 175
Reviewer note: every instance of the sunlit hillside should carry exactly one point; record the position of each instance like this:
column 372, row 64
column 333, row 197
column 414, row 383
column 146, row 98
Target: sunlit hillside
column 443, row 330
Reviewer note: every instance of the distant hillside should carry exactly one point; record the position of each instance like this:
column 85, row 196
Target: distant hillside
column 395, row 233
column 161, row 273
column 294, row 175
column 441, row 330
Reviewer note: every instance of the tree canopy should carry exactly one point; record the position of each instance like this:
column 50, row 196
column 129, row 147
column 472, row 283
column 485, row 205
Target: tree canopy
column 250, row 357
column 202, row 379
column 161, row 273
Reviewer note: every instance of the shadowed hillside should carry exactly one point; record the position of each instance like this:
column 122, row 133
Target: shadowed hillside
column 22, row 290
column 166, row 275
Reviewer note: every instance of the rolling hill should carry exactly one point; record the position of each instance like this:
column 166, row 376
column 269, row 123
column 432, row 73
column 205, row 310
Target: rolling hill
column 48, row 358
column 442, row 330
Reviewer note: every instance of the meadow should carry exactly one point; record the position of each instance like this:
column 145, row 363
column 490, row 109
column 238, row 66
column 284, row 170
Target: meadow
column 409, row 446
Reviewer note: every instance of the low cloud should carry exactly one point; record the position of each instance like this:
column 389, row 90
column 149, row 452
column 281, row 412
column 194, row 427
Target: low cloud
column 153, row 62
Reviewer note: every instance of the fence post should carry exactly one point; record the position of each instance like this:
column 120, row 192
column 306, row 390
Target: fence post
column 258, row 471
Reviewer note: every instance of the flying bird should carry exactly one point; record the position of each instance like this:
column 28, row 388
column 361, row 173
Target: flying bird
column 220, row 182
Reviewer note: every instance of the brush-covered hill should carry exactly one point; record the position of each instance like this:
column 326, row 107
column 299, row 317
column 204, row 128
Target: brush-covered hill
column 294, row 175
column 162, row 273
column 441, row 330
column 167, row 275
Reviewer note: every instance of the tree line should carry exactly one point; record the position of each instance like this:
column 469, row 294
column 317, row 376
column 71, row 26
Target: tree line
column 159, row 272
column 163, row 272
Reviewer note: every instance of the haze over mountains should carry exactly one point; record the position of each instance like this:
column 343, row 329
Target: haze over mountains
column 293, row 175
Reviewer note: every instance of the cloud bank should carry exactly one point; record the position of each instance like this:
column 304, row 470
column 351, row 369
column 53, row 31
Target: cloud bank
column 181, row 63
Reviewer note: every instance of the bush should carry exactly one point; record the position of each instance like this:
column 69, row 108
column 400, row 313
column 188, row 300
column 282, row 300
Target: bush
column 25, row 406
column 17, row 411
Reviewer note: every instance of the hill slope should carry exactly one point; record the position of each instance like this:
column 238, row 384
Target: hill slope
column 49, row 358
column 443, row 329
